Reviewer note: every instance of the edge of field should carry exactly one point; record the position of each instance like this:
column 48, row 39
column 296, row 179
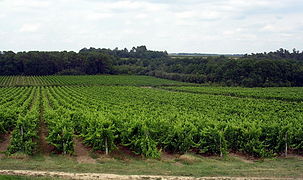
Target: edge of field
column 101, row 176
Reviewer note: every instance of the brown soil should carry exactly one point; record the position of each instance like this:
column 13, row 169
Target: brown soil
column 293, row 155
column 86, row 176
column 82, row 153
column 243, row 158
column 125, row 154
column 4, row 143
column 188, row 159
column 169, row 157
column 43, row 146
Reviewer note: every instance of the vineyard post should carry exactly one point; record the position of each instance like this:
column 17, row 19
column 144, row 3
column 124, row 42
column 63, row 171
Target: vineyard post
column 21, row 131
column 286, row 144
column 22, row 135
column 64, row 148
column 106, row 146
column 221, row 154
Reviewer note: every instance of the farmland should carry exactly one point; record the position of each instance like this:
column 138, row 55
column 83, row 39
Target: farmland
column 11, row 81
column 108, row 113
column 275, row 93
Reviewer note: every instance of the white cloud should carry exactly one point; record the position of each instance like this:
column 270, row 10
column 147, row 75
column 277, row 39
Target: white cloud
column 185, row 14
column 141, row 16
column 269, row 28
column 98, row 16
column 125, row 5
column 29, row 27
column 30, row 3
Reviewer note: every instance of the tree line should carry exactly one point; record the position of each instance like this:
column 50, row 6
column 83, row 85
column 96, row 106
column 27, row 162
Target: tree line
column 279, row 68
column 49, row 63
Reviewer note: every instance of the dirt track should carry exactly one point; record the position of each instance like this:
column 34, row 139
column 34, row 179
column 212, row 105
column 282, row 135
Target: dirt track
column 82, row 153
column 4, row 144
column 86, row 176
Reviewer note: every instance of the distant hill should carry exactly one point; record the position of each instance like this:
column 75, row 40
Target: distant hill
column 204, row 54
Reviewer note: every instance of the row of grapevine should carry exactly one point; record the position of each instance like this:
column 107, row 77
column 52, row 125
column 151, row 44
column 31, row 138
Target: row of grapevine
column 148, row 120
column 279, row 93
column 6, row 81
column 92, row 126
column 13, row 104
column 26, row 129
column 60, row 126
column 19, row 112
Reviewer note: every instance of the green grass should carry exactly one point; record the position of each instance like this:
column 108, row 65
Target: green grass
column 186, row 165
column 8, row 177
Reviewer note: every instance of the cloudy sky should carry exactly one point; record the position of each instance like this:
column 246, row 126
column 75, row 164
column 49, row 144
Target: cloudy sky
column 206, row 26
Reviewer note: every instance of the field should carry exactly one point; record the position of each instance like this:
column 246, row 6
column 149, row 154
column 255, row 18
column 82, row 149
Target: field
column 149, row 118
column 87, row 80
column 275, row 93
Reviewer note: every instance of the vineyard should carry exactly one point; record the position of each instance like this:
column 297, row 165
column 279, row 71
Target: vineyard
column 9, row 81
column 110, row 112
column 276, row 93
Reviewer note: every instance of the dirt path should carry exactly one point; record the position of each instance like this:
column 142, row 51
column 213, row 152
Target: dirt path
column 86, row 176
column 82, row 152
column 4, row 144
column 242, row 157
column 43, row 146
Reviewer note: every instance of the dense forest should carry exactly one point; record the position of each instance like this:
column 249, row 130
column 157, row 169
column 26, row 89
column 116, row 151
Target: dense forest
column 279, row 68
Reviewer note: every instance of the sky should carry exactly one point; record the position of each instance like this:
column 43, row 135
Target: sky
column 197, row 26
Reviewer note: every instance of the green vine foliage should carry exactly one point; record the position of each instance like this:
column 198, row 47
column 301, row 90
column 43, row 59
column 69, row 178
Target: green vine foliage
column 8, row 118
column 148, row 121
column 137, row 136
column 180, row 137
column 61, row 131
column 23, row 136
column 100, row 133
column 211, row 141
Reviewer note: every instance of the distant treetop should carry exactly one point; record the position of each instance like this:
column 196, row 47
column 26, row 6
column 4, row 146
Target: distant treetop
column 278, row 55
column 135, row 52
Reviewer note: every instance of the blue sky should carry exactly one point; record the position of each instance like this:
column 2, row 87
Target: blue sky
column 205, row 26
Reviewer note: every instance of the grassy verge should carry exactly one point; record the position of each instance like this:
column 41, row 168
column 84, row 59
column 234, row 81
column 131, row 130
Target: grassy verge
column 185, row 165
column 6, row 177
